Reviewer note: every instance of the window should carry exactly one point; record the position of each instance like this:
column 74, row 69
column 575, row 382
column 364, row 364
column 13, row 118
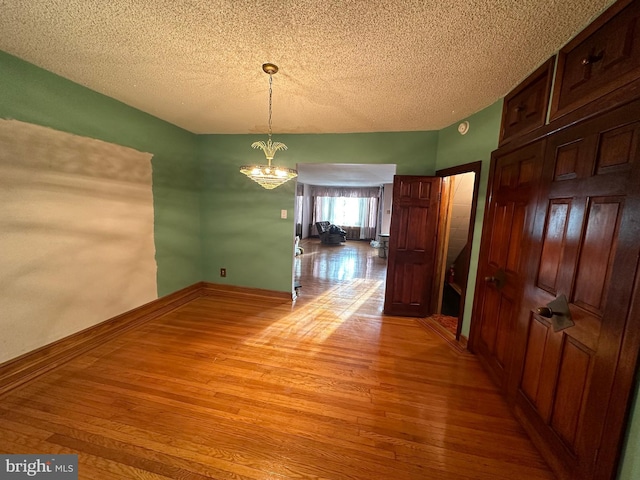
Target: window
column 348, row 207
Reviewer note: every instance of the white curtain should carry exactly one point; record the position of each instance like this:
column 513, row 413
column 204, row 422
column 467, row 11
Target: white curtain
column 348, row 207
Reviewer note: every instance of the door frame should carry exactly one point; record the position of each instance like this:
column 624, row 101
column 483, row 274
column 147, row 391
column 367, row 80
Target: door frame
column 475, row 167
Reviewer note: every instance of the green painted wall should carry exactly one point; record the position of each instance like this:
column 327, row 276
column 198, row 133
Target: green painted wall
column 34, row 95
column 630, row 461
column 455, row 149
column 241, row 226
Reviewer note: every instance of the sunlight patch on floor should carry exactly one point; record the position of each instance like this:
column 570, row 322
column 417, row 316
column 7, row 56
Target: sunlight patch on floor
column 371, row 288
column 314, row 323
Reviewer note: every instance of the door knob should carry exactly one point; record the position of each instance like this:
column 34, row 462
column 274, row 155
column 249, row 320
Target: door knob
column 558, row 311
column 545, row 312
column 498, row 279
column 592, row 58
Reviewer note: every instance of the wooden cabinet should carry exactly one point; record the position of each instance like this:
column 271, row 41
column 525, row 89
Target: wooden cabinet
column 525, row 108
column 561, row 227
column 602, row 58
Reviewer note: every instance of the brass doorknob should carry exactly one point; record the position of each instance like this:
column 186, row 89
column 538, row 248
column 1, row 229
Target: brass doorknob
column 545, row 312
column 498, row 279
column 558, row 312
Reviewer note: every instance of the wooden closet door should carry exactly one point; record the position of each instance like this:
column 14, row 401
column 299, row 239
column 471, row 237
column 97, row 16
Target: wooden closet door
column 506, row 229
column 412, row 245
column 586, row 242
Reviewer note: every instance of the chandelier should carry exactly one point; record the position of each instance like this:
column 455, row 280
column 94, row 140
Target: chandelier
column 269, row 176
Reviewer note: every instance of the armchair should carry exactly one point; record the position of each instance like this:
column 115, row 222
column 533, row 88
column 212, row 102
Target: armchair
column 330, row 234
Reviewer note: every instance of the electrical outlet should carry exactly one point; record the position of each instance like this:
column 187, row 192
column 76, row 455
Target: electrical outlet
column 223, row 272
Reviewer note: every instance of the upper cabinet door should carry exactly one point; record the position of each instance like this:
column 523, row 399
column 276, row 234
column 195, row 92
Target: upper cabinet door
column 525, row 108
column 603, row 58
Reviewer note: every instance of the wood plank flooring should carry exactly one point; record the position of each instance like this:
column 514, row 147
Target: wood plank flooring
column 241, row 387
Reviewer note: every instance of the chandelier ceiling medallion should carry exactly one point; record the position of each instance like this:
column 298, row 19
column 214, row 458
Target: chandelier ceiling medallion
column 269, row 176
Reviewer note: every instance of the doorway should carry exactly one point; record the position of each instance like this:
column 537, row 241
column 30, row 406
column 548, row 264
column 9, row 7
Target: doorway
column 345, row 178
column 457, row 212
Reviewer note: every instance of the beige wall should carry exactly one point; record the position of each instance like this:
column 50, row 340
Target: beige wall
column 460, row 214
column 76, row 234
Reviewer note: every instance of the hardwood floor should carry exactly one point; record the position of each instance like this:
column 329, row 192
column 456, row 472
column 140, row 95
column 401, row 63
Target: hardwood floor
column 242, row 387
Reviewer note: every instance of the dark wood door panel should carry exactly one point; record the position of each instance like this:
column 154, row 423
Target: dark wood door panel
column 506, row 232
column 412, row 189
column 555, row 371
column 504, row 330
column 570, row 390
column 412, row 233
column 410, row 282
column 622, row 339
column 515, row 243
column 412, row 245
column 616, row 149
column 490, row 309
column 598, row 246
column 553, row 244
column 535, row 354
column 577, row 248
column 496, row 334
column 500, row 231
column 580, row 248
column 572, row 160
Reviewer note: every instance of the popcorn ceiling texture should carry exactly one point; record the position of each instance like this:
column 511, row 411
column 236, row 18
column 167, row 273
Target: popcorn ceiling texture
column 345, row 66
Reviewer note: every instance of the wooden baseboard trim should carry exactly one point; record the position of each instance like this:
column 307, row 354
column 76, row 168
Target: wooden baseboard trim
column 459, row 346
column 26, row 367
column 217, row 289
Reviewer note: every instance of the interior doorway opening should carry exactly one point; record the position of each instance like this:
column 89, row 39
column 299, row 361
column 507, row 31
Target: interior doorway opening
column 457, row 214
column 347, row 183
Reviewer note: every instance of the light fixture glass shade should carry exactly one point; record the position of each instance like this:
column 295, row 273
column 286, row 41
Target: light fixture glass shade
column 268, row 176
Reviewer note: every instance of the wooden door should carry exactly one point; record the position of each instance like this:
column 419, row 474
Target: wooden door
column 507, row 226
column 412, row 246
column 573, row 384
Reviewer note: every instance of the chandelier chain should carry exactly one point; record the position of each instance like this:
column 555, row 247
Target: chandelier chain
column 270, row 95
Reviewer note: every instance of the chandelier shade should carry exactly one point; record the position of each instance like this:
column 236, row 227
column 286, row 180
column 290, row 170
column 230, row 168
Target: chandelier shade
column 269, row 176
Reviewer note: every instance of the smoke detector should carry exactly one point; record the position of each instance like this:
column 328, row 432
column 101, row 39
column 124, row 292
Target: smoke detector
column 463, row 128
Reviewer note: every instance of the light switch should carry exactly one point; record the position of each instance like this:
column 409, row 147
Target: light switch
column 283, row 214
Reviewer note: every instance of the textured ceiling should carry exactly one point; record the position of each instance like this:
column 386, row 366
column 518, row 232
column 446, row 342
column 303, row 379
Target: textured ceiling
column 345, row 66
